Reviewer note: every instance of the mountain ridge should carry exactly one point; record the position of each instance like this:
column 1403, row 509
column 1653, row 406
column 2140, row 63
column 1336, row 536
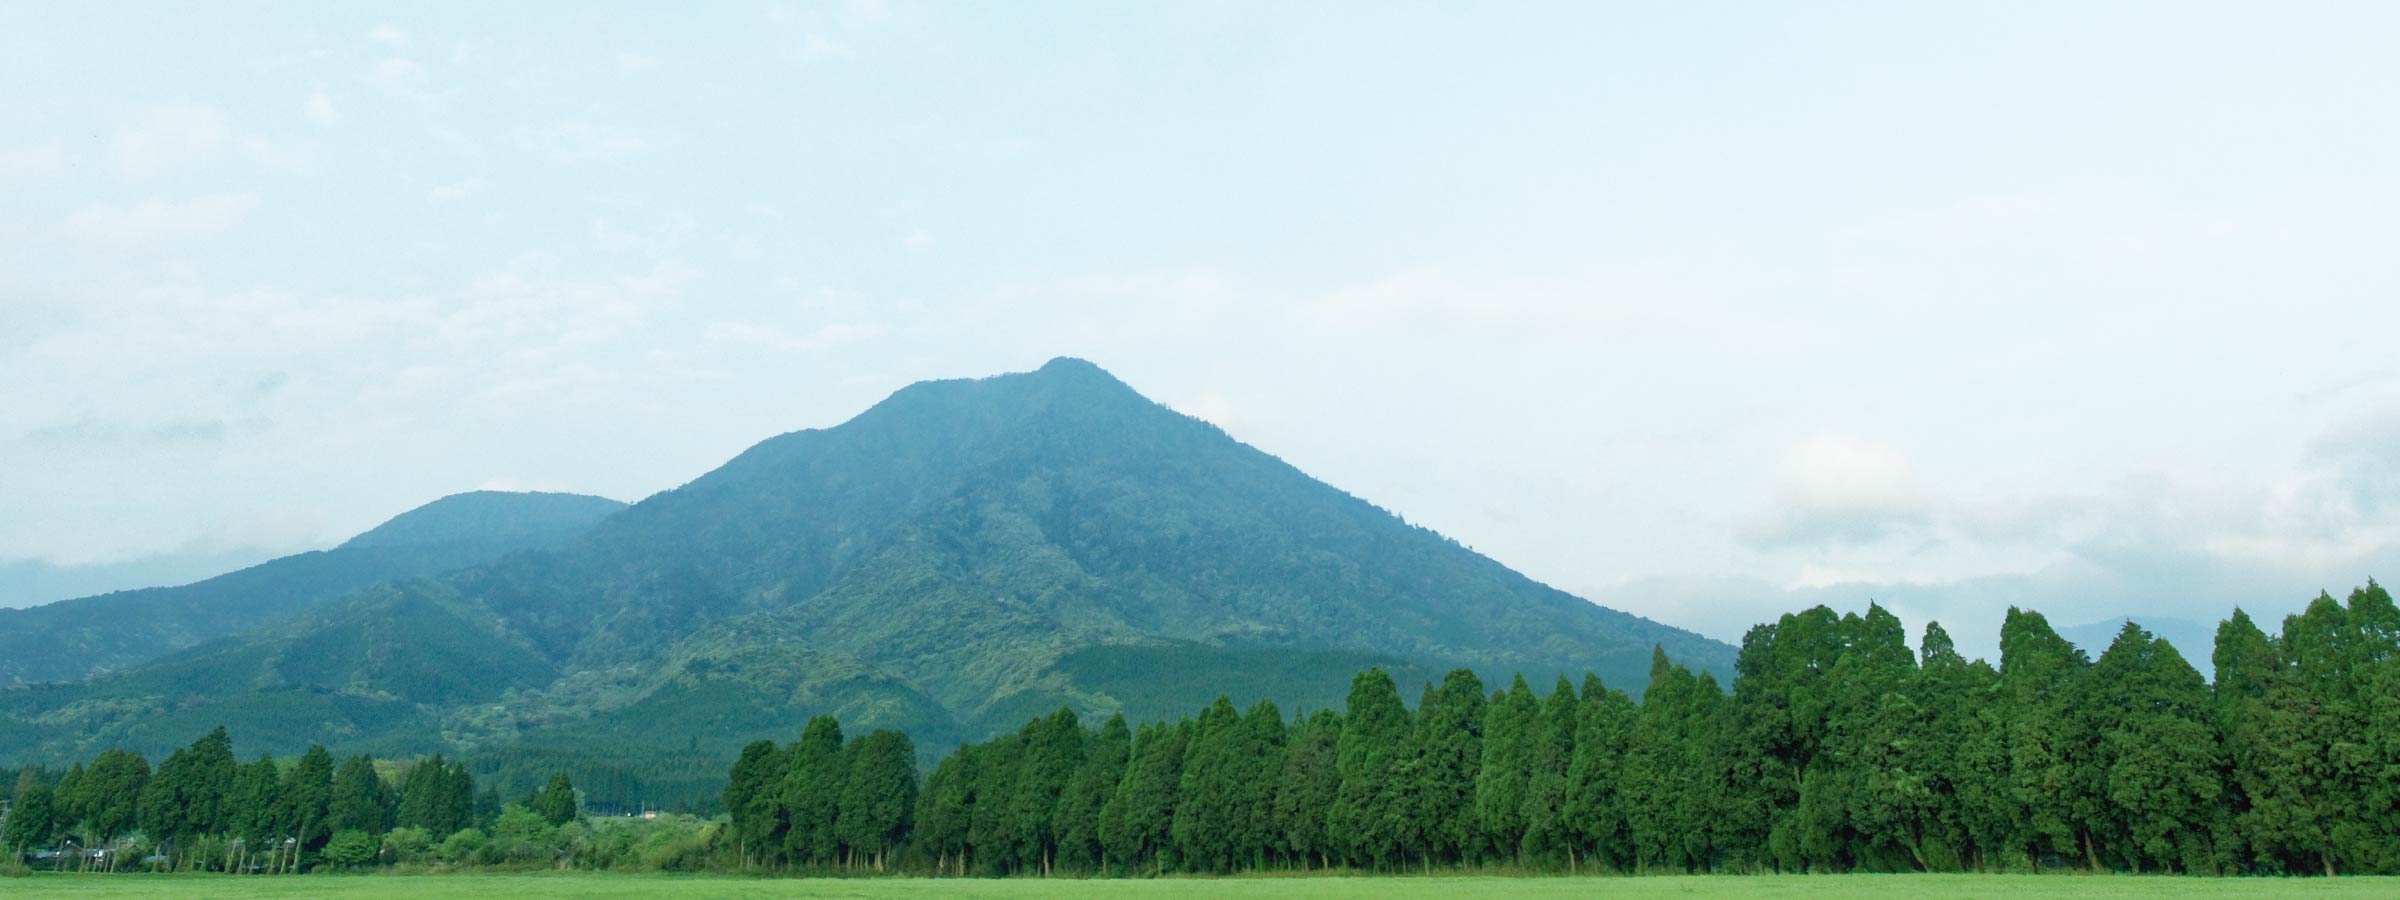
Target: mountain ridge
column 947, row 561
column 83, row 636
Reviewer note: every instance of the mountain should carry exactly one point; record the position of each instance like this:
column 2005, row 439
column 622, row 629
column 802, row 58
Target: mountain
column 28, row 583
column 74, row 639
column 956, row 558
column 2195, row 641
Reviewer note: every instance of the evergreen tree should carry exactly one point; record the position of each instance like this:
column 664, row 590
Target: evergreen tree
column 1944, row 696
column 1547, row 837
column 1702, row 800
column 1137, row 825
column 251, row 807
column 161, row 812
column 70, row 802
column 992, row 833
column 1077, row 822
column 812, row 790
column 1509, row 727
column 879, row 799
column 1223, row 814
column 2158, row 755
column 2366, row 826
column 359, row 801
column 1669, row 791
column 304, row 798
column 1778, row 732
column 436, row 796
column 111, row 794
column 185, row 798
column 1450, row 753
column 1595, row 802
column 1874, row 722
column 2377, row 761
column 555, row 802
column 1052, row 752
column 753, row 792
column 945, row 811
column 1371, row 816
column 31, row 816
column 2046, row 692
column 1305, row 789
column 1205, row 809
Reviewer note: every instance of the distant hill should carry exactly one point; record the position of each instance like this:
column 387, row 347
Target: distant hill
column 959, row 557
column 26, row 583
column 491, row 518
column 2194, row 640
column 74, row 639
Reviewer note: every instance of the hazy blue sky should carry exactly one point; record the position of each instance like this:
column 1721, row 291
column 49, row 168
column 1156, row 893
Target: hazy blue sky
column 1701, row 310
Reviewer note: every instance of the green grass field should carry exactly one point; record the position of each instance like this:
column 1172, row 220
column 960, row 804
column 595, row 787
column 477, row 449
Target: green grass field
column 580, row 885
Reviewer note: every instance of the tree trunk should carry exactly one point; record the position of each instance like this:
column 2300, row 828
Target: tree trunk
column 2090, row 857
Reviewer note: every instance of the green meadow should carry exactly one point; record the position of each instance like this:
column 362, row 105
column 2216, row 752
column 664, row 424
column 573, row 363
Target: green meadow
column 601, row 885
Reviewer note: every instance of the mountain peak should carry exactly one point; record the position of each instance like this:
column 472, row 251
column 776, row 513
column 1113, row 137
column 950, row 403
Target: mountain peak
column 1081, row 374
column 489, row 516
column 1073, row 366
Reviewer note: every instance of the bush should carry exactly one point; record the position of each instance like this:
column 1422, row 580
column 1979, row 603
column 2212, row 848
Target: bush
column 407, row 845
column 12, row 867
column 350, row 849
column 521, row 835
column 461, row 848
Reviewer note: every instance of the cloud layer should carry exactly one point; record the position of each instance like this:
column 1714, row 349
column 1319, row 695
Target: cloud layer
column 1706, row 318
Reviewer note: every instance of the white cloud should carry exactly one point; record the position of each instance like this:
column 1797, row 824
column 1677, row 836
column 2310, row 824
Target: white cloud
column 825, row 336
column 320, row 108
column 1832, row 490
column 816, row 46
column 388, row 35
column 268, row 153
column 1008, row 149
column 866, row 12
column 159, row 218
column 41, row 160
column 168, row 136
column 456, row 190
column 918, row 240
column 632, row 61
column 581, row 142
column 399, row 77
column 1598, row 305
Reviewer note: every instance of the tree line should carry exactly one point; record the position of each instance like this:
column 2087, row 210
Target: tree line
column 200, row 809
column 1839, row 749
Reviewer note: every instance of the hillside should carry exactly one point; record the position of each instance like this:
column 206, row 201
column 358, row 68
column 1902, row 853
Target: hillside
column 74, row 639
column 959, row 556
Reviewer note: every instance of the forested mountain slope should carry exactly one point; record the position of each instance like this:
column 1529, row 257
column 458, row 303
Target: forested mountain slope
column 954, row 558
column 74, row 639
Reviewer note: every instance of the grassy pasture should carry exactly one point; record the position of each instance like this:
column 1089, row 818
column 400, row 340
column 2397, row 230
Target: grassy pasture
column 601, row 885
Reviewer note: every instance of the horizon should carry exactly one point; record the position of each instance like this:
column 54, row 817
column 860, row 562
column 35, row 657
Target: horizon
column 2186, row 635
column 1702, row 316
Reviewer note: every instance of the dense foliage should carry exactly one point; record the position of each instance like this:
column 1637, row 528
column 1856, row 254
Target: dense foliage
column 1839, row 749
column 201, row 809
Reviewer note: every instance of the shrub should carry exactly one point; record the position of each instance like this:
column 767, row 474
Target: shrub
column 461, row 847
column 407, row 844
column 350, row 849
